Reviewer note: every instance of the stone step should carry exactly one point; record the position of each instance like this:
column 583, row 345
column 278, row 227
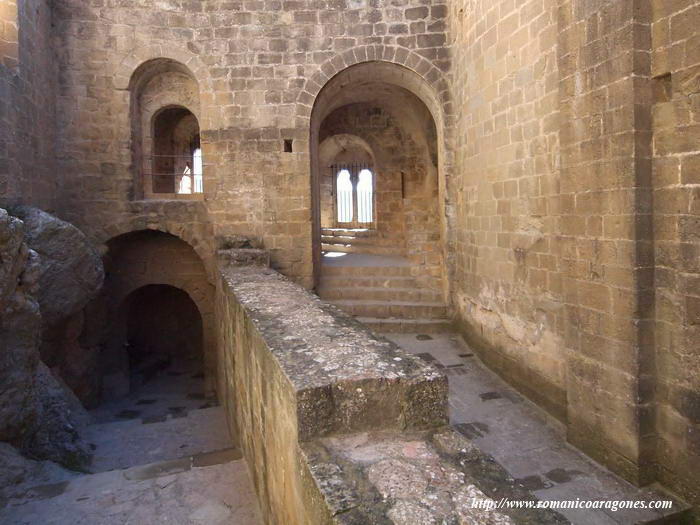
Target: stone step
column 343, row 232
column 362, row 248
column 359, row 241
column 366, row 271
column 407, row 326
column 368, row 282
column 408, row 294
column 395, row 309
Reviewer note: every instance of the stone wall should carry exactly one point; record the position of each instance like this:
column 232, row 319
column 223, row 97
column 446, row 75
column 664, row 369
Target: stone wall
column 27, row 105
column 575, row 241
column 675, row 68
column 608, row 277
column 507, row 275
column 565, row 158
column 252, row 62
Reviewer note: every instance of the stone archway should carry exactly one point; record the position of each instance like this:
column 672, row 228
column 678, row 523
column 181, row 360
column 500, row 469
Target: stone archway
column 153, row 258
column 165, row 130
column 418, row 114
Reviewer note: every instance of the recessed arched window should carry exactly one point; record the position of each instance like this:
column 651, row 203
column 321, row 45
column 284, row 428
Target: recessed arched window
column 176, row 163
column 354, row 190
column 166, row 146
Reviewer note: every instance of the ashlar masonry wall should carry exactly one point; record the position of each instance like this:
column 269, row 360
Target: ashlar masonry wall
column 256, row 64
column 27, row 105
column 575, row 239
column 675, row 70
column 507, row 275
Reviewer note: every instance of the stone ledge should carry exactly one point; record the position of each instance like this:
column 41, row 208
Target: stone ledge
column 415, row 477
column 346, row 379
column 244, row 257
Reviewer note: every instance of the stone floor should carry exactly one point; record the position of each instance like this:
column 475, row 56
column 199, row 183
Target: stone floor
column 521, row 437
column 162, row 455
column 171, row 392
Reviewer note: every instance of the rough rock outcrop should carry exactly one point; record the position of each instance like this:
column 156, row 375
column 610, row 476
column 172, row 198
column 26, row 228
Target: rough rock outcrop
column 17, row 473
column 61, row 417
column 70, row 275
column 37, row 413
column 70, row 269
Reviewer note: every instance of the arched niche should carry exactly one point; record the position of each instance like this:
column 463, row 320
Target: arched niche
column 166, row 148
column 337, row 152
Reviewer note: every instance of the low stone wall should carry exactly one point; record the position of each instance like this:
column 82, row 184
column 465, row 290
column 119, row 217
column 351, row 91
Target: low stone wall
column 293, row 369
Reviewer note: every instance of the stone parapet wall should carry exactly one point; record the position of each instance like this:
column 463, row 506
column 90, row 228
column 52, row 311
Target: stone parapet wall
column 337, row 425
column 293, row 369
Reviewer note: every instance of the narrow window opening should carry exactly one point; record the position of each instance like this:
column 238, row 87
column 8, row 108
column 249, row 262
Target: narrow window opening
column 344, row 191
column 177, row 164
column 198, row 183
column 365, row 197
column 288, row 146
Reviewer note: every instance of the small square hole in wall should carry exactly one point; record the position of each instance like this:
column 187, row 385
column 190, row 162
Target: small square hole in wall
column 288, row 145
column 663, row 88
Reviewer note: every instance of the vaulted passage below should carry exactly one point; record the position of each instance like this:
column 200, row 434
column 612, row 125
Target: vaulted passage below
column 163, row 327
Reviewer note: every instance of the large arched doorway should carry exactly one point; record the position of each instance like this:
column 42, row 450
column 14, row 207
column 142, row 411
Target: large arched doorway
column 376, row 176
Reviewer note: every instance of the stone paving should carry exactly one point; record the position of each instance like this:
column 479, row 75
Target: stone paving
column 173, row 392
column 530, row 445
column 165, row 461
column 143, row 495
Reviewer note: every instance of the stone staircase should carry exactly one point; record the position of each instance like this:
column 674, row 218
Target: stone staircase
column 346, row 240
column 381, row 293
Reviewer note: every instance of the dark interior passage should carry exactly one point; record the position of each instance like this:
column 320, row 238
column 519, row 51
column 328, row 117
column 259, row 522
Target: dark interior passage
column 158, row 339
column 163, row 332
column 163, row 322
